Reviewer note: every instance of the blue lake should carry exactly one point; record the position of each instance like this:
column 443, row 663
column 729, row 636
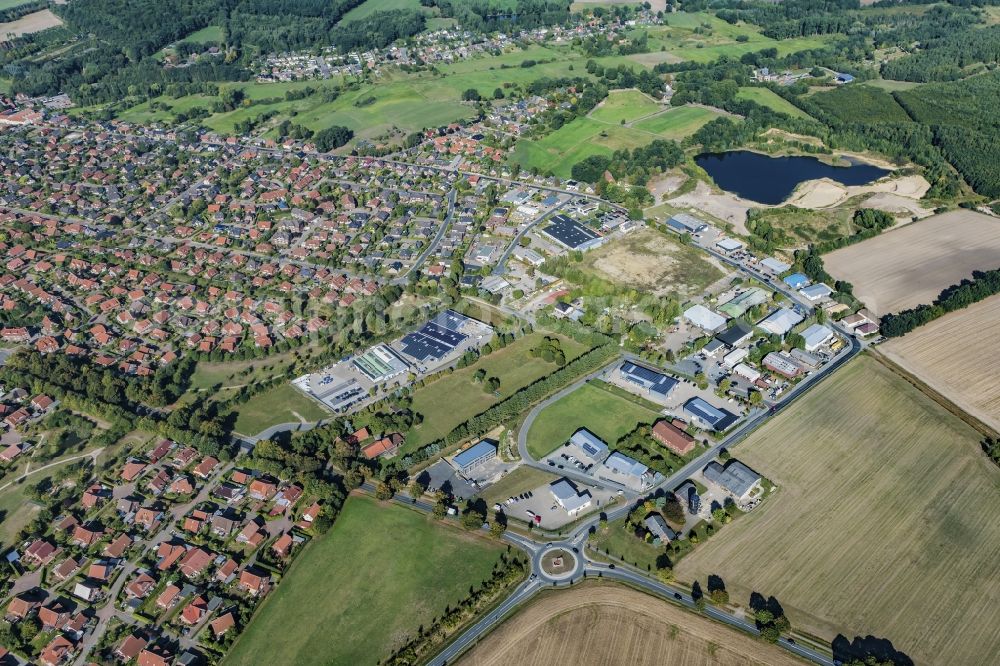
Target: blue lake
column 770, row 180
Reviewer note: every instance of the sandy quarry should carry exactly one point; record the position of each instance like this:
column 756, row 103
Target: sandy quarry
column 826, row 193
column 725, row 206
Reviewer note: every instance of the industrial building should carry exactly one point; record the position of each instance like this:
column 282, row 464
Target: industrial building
column 567, row 496
column 736, row 479
column 571, row 234
column 686, row 224
column 710, row 416
column 380, row 364
column 656, row 384
column 623, row 471
column 780, row 321
column 474, row 456
column 704, row 318
column 816, row 336
column 590, row 445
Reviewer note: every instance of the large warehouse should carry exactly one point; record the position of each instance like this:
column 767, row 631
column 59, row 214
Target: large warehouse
column 704, row 318
column 656, row 384
column 570, row 233
column 780, row 321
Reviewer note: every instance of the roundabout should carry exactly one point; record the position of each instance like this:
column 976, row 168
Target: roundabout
column 558, row 563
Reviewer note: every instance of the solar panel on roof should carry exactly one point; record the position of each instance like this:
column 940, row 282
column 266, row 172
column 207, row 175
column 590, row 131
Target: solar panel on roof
column 443, row 335
column 422, row 347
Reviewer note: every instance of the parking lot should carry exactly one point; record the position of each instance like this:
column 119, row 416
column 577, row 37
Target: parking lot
column 540, row 502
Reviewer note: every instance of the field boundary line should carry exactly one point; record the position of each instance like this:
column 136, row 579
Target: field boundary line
column 937, row 397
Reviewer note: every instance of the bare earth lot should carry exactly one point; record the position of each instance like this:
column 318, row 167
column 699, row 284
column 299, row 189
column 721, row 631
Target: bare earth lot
column 648, row 260
column 603, row 624
column 966, row 373
column 884, row 522
column 911, row 265
column 29, row 23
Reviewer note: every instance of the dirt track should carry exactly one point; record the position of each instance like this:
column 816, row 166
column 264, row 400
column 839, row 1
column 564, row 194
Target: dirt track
column 600, row 624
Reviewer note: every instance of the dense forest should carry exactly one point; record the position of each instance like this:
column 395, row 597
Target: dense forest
column 492, row 16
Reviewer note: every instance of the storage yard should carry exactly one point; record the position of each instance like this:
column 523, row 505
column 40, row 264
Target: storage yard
column 902, row 492
column 911, row 265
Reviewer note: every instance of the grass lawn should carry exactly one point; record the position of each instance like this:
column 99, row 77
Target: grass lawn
column 230, row 373
column 575, row 141
column 889, row 85
column 521, row 479
column 283, row 404
column 211, row 33
column 452, row 399
column 10, row 4
column 627, row 105
column 772, row 100
column 368, row 8
column 357, row 592
column 883, row 522
column 678, row 122
column 16, row 510
column 620, row 543
column 607, row 415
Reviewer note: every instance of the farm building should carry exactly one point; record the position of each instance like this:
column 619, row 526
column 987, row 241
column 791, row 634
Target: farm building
column 566, row 496
column 590, row 444
column 816, row 336
column 780, row 321
column 704, row 318
column 735, row 478
column 713, row 417
column 683, row 223
column 626, row 472
column 816, row 292
column 673, row 438
column 796, row 280
column 656, row 384
column 474, row 456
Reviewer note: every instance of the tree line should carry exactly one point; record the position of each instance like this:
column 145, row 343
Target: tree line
column 982, row 285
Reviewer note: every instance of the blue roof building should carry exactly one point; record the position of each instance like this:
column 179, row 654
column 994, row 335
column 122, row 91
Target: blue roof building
column 474, row 456
column 796, row 280
column 714, row 417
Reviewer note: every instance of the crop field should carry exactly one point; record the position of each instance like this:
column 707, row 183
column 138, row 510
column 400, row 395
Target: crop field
column 966, row 373
column 357, row 592
column 284, row 404
column 678, row 122
column 602, row 412
column 883, row 523
column 772, row 100
column 651, row 261
column 29, row 23
column 627, row 105
column 600, row 623
column 454, row 398
column 911, row 265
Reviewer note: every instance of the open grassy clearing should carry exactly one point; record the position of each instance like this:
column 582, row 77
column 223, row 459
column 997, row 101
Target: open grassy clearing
column 627, row 105
column 368, row 8
column 283, row 404
column 16, row 510
column 522, row 479
column 606, row 414
column 966, row 373
column 10, row 4
column 772, row 100
column 357, row 592
column 651, row 261
column 211, row 33
column 602, row 623
column 911, row 265
column 889, row 85
column 454, row 398
column 883, row 523
column 231, row 373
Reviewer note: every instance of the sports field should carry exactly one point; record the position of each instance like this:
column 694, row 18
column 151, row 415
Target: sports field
column 627, row 105
column 369, row 7
column 678, row 122
column 606, row 414
column 212, row 33
column 911, row 265
column 965, row 373
column 600, row 623
column 454, row 398
column 359, row 591
column 283, row 404
column 884, row 522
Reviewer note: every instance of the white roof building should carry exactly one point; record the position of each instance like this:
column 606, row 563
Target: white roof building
column 816, row 336
column 773, row 265
column 734, row 357
column 729, row 245
column 704, row 318
column 568, row 498
column 746, row 372
column 780, row 321
column 816, row 292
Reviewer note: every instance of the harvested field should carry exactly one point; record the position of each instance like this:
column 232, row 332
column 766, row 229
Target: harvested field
column 599, row 623
column 29, row 23
column 883, row 523
column 967, row 373
column 911, row 265
column 649, row 260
